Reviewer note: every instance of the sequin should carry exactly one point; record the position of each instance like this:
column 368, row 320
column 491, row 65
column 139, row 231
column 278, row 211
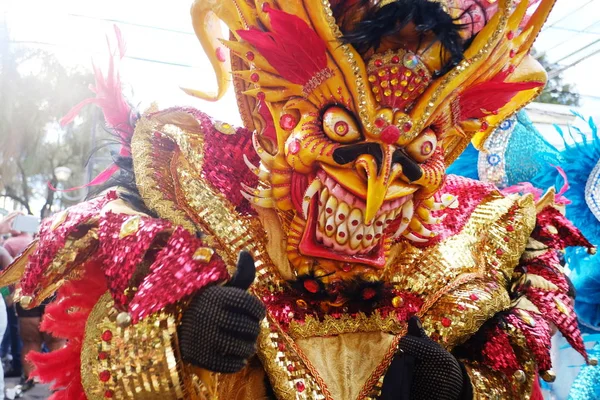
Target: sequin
column 107, row 336
column 104, row 376
column 203, row 254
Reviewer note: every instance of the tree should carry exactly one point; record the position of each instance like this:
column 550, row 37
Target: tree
column 35, row 92
column 556, row 91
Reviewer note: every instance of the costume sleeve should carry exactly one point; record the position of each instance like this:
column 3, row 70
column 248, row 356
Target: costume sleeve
column 123, row 281
column 508, row 353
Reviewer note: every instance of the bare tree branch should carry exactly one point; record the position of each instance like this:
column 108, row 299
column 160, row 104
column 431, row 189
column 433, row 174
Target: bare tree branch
column 10, row 193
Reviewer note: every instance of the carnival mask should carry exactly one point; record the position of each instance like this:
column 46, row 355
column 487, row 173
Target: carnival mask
column 359, row 106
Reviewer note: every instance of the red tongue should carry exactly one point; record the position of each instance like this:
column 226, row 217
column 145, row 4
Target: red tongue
column 298, row 188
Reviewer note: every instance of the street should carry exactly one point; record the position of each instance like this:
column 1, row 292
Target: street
column 37, row 393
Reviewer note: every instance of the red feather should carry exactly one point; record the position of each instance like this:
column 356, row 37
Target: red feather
column 292, row 47
column 62, row 367
column 485, row 98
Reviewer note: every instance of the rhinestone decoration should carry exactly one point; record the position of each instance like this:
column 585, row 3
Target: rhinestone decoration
column 224, row 128
column 288, row 122
column 397, row 84
column 592, row 191
column 203, row 254
column 491, row 164
column 410, row 61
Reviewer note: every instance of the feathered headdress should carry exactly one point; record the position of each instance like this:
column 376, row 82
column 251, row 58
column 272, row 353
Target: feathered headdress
column 118, row 113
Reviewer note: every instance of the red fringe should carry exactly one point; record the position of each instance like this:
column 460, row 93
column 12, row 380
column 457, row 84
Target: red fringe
column 65, row 318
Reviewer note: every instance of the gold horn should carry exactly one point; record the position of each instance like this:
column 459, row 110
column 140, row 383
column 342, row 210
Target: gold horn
column 206, row 20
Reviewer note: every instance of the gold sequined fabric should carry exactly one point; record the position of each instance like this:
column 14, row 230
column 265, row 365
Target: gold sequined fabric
column 138, row 361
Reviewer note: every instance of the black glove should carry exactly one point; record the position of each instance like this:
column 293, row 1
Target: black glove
column 219, row 329
column 424, row 370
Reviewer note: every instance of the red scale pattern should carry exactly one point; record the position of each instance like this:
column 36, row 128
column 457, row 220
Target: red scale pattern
column 565, row 322
column 544, row 266
column 537, row 337
column 568, row 235
column 121, row 265
column 499, row 354
column 175, row 275
column 469, row 194
column 224, row 166
column 51, row 241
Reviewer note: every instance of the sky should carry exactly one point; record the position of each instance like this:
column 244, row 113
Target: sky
column 164, row 54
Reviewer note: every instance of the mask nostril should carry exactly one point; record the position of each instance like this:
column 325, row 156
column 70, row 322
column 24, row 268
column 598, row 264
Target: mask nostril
column 410, row 168
column 347, row 154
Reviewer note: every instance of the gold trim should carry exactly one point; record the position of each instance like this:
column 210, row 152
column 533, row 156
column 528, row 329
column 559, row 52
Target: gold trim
column 145, row 168
column 312, row 327
column 14, row 272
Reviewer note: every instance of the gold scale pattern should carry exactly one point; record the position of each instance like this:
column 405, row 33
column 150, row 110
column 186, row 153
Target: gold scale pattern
column 137, row 361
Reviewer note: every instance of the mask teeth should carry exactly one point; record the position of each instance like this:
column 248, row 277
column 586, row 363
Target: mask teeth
column 341, row 226
column 311, row 191
column 368, row 237
column 407, row 215
column 356, row 239
column 263, row 175
column 330, row 226
column 412, row 237
column 355, row 219
column 342, row 234
column 342, row 213
column 267, row 159
column 261, row 193
column 261, row 202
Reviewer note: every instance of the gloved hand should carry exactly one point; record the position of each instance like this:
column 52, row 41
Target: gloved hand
column 219, row 329
column 424, row 370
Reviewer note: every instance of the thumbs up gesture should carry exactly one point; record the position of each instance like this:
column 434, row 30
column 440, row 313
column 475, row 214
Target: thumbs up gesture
column 219, row 329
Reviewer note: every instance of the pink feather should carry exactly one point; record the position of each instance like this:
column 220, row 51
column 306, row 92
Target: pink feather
column 117, row 112
column 296, row 60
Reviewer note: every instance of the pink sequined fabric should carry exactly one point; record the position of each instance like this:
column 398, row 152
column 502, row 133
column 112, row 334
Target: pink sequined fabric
column 469, row 194
column 224, row 167
column 498, row 352
column 53, row 236
column 121, row 256
column 175, row 275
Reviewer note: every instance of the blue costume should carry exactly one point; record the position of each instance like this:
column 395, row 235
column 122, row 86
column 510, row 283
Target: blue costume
column 517, row 153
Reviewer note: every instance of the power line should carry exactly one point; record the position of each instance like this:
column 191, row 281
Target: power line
column 39, row 43
column 577, row 51
column 118, row 21
column 556, row 72
column 560, row 28
column 567, row 15
column 576, row 34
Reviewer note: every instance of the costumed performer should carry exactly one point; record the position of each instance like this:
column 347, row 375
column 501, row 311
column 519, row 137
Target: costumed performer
column 368, row 273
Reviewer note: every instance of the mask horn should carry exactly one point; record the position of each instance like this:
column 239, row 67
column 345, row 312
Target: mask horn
column 206, row 19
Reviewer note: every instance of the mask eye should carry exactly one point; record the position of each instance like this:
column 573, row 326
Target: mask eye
column 340, row 126
column 423, row 147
